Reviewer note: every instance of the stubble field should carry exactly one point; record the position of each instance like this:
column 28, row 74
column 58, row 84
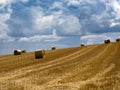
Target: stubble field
column 94, row 67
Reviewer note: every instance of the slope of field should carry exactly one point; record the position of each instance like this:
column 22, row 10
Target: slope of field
column 95, row 67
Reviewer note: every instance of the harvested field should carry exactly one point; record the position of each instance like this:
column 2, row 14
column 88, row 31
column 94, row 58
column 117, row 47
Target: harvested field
column 94, row 67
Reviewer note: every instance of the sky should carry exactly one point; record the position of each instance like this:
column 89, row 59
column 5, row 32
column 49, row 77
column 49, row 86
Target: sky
column 40, row 24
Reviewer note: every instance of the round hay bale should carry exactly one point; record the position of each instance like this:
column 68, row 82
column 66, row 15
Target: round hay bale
column 82, row 45
column 118, row 40
column 23, row 51
column 17, row 52
column 53, row 48
column 107, row 41
column 39, row 54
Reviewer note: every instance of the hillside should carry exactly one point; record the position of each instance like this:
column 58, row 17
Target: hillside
column 94, row 67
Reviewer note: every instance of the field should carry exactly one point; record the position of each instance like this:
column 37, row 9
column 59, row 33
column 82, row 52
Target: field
column 93, row 67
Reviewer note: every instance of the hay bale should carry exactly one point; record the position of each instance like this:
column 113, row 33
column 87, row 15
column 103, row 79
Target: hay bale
column 17, row 52
column 82, row 45
column 39, row 54
column 23, row 51
column 118, row 40
column 107, row 41
column 53, row 48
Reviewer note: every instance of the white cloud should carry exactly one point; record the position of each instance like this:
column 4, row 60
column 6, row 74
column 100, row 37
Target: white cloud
column 57, row 5
column 113, row 7
column 92, row 39
column 4, row 3
column 46, row 38
column 42, row 23
column 113, row 24
column 5, row 38
column 116, row 7
column 4, row 17
column 69, row 25
column 64, row 24
column 74, row 2
column 102, row 19
column 35, row 22
column 78, row 2
column 4, row 29
column 99, row 38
